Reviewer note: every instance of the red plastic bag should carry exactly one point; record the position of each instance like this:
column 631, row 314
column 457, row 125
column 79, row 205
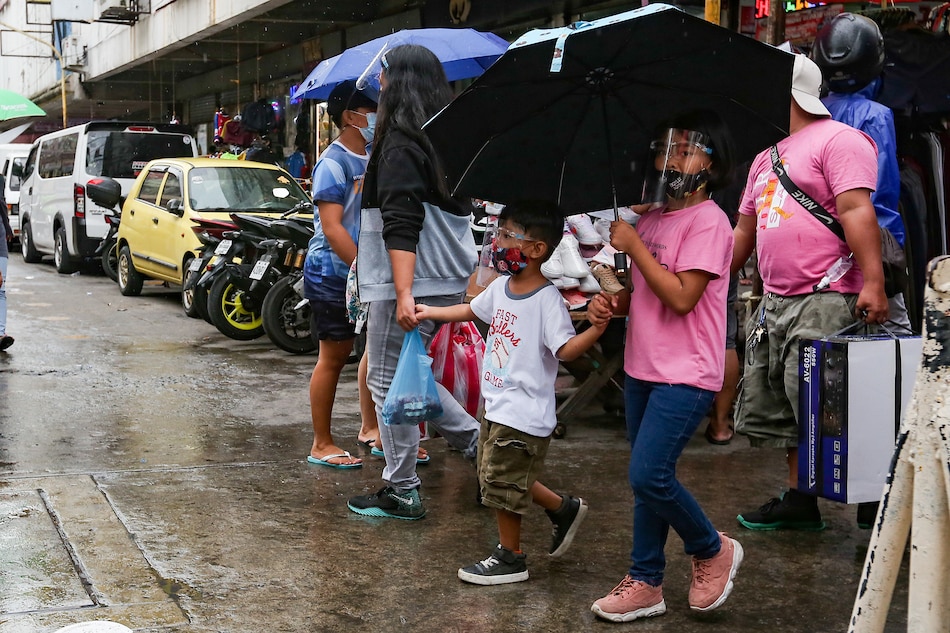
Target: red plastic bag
column 457, row 350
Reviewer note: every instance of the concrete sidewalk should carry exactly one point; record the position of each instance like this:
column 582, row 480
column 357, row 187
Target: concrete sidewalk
column 152, row 472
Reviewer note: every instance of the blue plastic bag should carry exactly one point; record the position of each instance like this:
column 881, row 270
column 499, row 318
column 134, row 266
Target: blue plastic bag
column 412, row 396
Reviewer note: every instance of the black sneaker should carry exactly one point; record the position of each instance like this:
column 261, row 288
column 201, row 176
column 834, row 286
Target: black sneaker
column 794, row 511
column 566, row 520
column 388, row 502
column 5, row 342
column 502, row 567
column 867, row 513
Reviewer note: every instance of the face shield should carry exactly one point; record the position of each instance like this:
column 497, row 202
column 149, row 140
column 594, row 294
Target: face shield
column 679, row 165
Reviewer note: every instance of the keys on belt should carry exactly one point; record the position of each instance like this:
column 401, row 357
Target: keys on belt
column 756, row 334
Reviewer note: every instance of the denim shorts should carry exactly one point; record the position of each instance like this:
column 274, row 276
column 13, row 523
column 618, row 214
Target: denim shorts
column 767, row 410
column 509, row 462
column 328, row 320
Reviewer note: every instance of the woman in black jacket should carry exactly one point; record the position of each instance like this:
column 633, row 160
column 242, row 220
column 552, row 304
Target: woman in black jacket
column 415, row 245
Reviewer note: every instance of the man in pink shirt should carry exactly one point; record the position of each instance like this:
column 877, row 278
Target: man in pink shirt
column 836, row 166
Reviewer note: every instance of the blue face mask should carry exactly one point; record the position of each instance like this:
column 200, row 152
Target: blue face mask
column 368, row 132
column 508, row 261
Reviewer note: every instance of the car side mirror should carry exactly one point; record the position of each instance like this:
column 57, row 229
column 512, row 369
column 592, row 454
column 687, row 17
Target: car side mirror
column 105, row 192
column 175, row 206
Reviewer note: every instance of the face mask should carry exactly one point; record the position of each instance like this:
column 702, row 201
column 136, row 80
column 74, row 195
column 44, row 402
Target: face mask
column 368, row 132
column 508, row 261
column 680, row 186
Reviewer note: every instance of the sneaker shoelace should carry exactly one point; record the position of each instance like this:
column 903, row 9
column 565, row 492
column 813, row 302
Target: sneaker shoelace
column 625, row 585
column 490, row 562
column 701, row 571
column 768, row 505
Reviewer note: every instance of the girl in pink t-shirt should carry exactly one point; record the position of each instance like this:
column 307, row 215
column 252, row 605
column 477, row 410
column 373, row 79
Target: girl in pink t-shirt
column 680, row 251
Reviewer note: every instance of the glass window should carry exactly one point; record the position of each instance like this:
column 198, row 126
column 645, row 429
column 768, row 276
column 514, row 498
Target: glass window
column 171, row 190
column 122, row 154
column 243, row 189
column 150, row 186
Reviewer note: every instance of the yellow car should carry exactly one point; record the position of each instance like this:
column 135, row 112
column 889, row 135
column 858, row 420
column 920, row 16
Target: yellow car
column 155, row 238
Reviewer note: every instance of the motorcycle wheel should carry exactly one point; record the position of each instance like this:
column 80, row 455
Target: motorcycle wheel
column 234, row 319
column 110, row 260
column 188, row 298
column 287, row 328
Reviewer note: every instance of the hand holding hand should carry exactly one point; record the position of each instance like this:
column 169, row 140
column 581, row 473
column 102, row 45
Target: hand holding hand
column 406, row 313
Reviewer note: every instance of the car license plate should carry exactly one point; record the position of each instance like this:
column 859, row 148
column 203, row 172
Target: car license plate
column 223, row 247
column 260, row 268
column 194, row 265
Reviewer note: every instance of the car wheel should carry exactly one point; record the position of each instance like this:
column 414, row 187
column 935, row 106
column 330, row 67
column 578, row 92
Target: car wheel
column 130, row 281
column 30, row 254
column 64, row 264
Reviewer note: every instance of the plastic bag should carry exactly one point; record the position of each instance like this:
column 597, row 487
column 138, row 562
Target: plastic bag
column 412, row 396
column 355, row 310
column 457, row 350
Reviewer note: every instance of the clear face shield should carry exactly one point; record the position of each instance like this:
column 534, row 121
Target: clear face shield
column 679, row 166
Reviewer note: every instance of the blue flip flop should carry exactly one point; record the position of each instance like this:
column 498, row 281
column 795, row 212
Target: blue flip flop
column 378, row 452
column 325, row 461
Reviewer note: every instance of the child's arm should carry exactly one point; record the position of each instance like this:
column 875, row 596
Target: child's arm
column 458, row 313
column 580, row 343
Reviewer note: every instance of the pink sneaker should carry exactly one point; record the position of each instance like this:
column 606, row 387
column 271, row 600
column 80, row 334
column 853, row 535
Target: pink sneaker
column 629, row 600
column 712, row 577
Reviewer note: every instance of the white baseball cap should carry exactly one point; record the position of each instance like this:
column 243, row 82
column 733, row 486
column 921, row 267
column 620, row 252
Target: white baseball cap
column 806, row 86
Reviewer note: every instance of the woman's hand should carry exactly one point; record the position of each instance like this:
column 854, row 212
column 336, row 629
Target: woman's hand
column 406, row 312
column 623, row 236
column 600, row 309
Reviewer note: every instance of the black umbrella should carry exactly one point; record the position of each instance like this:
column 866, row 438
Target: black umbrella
column 579, row 135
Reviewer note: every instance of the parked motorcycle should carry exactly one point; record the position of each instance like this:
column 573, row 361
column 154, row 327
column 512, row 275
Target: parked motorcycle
column 108, row 249
column 194, row 295
column 285, row 312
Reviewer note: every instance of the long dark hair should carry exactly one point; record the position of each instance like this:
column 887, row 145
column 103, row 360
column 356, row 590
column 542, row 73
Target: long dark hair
column 416, row 89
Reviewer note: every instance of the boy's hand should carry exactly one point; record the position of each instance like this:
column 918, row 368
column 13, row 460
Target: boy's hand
column 600, row 309
column 422, row 312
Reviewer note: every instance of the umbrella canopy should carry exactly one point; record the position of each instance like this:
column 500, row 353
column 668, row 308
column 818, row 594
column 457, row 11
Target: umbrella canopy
column 13, row 105
column 568, row 114
column 464, row 53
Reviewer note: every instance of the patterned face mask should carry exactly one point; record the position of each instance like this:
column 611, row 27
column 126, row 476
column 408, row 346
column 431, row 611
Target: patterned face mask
column 509, row 261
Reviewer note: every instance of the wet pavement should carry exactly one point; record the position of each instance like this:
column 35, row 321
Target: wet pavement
column 152, row 473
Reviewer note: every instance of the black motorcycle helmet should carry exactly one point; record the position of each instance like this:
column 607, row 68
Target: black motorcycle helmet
column 850, row 52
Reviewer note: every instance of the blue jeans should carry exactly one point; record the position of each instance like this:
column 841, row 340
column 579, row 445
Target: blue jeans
column 3, row 296
column 661, row 419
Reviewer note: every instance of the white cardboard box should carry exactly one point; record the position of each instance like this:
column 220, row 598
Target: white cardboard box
column 850, row 408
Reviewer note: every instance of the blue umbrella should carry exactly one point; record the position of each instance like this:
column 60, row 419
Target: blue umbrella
column 464, row 53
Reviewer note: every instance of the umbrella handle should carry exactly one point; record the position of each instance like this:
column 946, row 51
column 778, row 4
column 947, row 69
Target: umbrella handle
column 620, row 262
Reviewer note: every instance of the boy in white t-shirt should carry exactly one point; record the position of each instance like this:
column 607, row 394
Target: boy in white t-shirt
column 530, row 331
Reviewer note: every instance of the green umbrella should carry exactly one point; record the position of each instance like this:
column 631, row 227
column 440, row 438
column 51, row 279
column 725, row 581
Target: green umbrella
column 13, row 105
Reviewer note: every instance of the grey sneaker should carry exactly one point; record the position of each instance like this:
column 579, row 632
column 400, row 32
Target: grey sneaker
column 566, row 520
column 502, row 567
column 389, row 502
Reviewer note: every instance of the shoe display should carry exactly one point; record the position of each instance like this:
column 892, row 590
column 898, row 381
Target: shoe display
column 502, row 567
column 565, row 283
column 583, row 229
column 389, row 502
column 793, row 511
column 590, row 285
column 712, row 580
column 571, row 261
column 606, row 278
column 553, row 268
column 566, row 520
column 575, row 299
column 630, row 600
column 602, row 226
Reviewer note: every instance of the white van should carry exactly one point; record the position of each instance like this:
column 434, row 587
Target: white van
column 12, row 159
column 56, row 216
